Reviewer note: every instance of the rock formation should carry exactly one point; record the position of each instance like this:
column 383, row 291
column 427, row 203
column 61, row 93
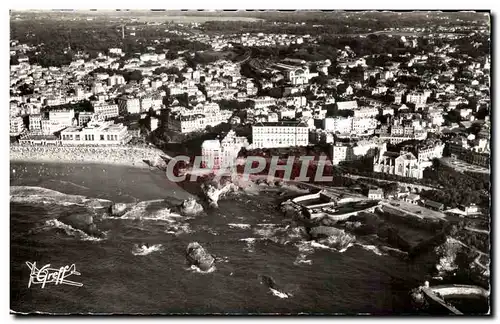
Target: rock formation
column 198, row 256
column 213, row 191
column 190, row 207
column 331, row 236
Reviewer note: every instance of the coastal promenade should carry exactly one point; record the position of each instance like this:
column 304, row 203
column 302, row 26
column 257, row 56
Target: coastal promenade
column 118, row 155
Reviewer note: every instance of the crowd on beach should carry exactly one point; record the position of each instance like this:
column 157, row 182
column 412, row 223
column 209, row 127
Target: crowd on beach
column 122, row 155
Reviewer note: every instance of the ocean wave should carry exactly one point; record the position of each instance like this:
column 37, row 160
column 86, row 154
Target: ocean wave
column 152, row 210
column 194, row 268
column 268, row 230
column 302, row 259
column 250, row 244
column 145, row 250
column 242, row 226
column 179, row 229
column 278, row 293
column 44, row 196
column 372, row 248
column 71, row 184
column 69, row 230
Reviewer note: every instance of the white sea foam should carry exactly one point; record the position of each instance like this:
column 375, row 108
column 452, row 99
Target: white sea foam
column 40, row 195
column 69, row 230
column 278, row 293
column 345, row 248
column 140, row 211
column 144, row 250
column 302, row 259
column 372, row 248
column 320, row 246
column 179, row 229
column 242, row 226
column 194, row 268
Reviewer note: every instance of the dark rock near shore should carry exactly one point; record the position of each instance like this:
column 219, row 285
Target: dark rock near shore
column 198, row 256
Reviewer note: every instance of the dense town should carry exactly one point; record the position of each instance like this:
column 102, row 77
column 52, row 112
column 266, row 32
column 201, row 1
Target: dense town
column 401, row 114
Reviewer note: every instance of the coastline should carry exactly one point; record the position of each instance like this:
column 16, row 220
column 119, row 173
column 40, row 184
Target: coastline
column 110, row 155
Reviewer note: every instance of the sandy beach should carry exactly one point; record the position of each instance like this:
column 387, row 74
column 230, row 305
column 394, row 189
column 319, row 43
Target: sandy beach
column 119, row 155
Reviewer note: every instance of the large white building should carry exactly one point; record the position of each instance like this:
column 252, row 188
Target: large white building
column 280, row 134
column 96, row 133
column 189, row 120
column 222, row 154
column 106, row 110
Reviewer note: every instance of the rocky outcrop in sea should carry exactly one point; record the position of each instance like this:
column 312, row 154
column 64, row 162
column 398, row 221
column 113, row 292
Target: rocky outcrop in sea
column 214, row 191
column 190, row 207
column 196, row 255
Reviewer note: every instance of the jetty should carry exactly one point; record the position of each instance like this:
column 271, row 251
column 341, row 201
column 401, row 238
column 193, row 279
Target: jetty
column 436, row 294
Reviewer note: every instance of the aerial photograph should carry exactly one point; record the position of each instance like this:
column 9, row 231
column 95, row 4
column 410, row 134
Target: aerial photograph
column 250, row 162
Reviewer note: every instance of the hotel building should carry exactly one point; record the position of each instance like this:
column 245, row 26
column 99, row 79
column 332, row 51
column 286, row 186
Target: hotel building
column 280, row 134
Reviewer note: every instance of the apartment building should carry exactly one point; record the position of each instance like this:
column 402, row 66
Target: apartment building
column 106, row 110
column 366, row 112
column 363, row 126
column 263, row 102
column 62, row 117
column 129, row 105
column 16, row 125
column 349, row 152
column 417, row 98
column 341, row 125
column 35, row 123
column 84, row 117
